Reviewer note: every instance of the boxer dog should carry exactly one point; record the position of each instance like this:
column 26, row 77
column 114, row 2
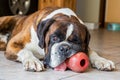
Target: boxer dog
column 51, row 34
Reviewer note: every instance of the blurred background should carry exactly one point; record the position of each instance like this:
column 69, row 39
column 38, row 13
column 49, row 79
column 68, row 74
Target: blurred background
column 95, row 13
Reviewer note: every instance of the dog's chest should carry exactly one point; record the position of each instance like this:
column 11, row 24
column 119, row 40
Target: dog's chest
column 33, row 45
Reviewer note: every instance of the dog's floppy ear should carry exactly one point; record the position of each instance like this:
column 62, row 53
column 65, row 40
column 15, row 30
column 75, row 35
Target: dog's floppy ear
column 42, row 29
column 87, row 40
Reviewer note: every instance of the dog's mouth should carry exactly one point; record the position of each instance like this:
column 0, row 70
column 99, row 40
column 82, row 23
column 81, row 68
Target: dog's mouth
column 59, row 53
column 77, row 62
column 61, row 67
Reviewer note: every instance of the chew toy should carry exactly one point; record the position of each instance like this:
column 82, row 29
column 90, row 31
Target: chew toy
column 77, row 63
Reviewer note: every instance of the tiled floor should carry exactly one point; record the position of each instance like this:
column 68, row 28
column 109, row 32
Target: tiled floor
column 107, row 43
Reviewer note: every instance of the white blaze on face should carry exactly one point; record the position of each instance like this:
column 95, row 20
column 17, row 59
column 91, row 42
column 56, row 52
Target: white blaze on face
column 69, row 31
column 55, row 59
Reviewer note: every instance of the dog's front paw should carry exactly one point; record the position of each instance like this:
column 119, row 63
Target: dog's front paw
column 33, row 64
column 103, row 64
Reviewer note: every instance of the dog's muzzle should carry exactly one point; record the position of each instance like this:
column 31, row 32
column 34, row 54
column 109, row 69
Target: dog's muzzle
column 64, row 49
column 59, row 52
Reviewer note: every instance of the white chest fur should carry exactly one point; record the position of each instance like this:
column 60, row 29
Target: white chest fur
column 31, row 54
column 33, row 45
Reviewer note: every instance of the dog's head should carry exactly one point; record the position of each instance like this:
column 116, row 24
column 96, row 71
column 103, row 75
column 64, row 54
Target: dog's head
column 61, row 37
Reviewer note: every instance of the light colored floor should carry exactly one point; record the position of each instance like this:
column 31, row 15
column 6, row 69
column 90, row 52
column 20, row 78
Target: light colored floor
column 107, row 43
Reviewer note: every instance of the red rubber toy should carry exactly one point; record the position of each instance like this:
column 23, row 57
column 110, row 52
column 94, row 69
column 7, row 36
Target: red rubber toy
column 78, row 62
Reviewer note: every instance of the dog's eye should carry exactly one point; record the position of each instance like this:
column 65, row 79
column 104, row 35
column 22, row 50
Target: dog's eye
column 75, row 40
column 54, row 38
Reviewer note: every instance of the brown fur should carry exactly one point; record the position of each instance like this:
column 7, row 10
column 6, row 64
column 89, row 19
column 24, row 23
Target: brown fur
column 2, row 45
column 19, row 27
column 60, row 19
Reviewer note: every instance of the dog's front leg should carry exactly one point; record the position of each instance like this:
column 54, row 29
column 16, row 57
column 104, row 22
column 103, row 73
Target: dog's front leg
column 100, row 62
column 30, row 62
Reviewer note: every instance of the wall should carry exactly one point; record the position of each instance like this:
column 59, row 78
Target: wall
column 88, row 10
column 112, row 11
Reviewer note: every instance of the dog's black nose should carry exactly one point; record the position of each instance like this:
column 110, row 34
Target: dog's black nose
column 64, row 48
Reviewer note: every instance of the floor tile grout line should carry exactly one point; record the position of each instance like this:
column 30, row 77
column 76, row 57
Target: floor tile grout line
column 68, row 76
